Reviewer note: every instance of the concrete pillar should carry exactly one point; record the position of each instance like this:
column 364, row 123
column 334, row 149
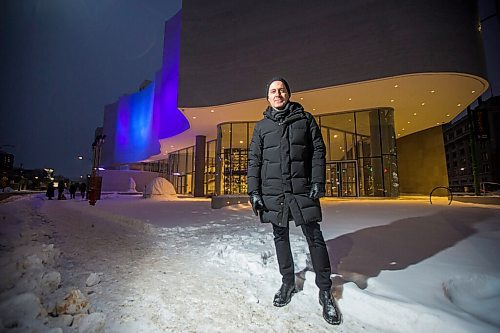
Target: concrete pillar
column 376, row 153
column 199, row 166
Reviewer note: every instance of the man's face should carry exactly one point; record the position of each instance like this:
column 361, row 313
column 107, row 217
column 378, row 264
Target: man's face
column 277, row 95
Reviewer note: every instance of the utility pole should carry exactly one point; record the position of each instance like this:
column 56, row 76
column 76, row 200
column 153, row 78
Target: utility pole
column 95, row 182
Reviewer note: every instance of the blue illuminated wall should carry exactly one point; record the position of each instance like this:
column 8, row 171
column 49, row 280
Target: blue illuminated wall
column 136, row 136
column 169, row 119
column 147, row 116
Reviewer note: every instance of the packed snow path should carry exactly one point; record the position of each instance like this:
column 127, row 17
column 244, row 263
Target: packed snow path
column 172, row 266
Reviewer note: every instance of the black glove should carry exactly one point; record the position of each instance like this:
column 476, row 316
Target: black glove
column 257, row 203
column 317, row 191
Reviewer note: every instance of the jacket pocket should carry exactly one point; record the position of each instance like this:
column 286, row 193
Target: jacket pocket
column 264, row 173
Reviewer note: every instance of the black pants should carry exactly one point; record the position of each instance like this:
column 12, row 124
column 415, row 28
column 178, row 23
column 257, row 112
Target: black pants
column 317, row 249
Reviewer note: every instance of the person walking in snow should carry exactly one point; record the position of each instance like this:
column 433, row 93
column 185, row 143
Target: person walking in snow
column 286, row 178
column 72, row 190
column 83, row 189
column 60, row 190
column 50, row 190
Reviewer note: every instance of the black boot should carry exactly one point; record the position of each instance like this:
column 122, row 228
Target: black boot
column 331, row 312
column 284, row 295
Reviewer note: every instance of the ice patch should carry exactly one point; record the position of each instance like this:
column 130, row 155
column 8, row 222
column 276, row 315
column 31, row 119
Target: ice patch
column 476, row 294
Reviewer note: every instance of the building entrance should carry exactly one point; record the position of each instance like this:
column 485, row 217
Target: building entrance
column 341, row 179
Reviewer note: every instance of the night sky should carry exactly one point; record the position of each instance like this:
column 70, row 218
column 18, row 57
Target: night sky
column 62, row 61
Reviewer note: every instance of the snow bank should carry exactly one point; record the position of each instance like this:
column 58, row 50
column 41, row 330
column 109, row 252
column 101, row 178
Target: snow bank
column 477, row 294
column 160, row 187
column 191, row 268
column 31, row 297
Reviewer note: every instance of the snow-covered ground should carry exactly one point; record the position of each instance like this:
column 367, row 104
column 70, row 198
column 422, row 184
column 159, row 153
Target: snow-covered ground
column 179, row 266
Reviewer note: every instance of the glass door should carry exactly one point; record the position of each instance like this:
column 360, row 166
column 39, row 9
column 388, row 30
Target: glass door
column 332, row 180
column 341, row 179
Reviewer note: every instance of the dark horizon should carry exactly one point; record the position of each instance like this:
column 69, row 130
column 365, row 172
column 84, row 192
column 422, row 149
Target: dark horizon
column 61, row 63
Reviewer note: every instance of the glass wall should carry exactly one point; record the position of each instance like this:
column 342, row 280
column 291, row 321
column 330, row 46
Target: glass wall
column 180, row 170
column 160, row 166
column 233, row 156
column 367, row 139
column 360, row 153
column 210, row 158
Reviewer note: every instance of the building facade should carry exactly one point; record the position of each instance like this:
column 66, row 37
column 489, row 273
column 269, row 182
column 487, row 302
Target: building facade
column 371, row 80
column 473, row 140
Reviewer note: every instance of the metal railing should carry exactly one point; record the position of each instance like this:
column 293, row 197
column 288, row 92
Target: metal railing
column 450, row 193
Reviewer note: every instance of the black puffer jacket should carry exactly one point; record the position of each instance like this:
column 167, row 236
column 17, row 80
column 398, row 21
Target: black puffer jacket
column 286, row 156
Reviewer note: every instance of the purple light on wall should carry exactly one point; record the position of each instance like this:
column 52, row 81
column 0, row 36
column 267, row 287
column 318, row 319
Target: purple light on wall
column 136, row 136
column 167, row 117
column 138, row 121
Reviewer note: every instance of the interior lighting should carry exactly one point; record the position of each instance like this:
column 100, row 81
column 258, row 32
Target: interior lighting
column 302, row 98
column 423, row 104
column 194, row 117
column 335, row 136
column 314, row 109
column 414, row 113
column 399, row 134
column 473, row 91
column 350, row 98
column 395, row 86
column 433, row 91
column 212, row 111
column 403, row 129
column 241, row 141
column 408, row 122
column 392, row 100
column 459, row 104
column 448, row 115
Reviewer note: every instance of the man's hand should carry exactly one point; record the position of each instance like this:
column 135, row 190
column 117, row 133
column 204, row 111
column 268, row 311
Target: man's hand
column 257, row 203
column 317, row 191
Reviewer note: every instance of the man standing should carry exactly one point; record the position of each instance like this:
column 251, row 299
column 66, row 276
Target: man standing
column 286, row 178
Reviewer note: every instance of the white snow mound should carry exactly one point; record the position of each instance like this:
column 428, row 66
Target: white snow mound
column 476, row 294
column 160, row 187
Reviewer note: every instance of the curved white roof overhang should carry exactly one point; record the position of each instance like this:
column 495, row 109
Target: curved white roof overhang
column 420, row 101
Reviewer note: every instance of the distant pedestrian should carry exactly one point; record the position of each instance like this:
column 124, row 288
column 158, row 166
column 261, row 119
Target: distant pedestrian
column 72, row 190
column 50, row 190
column 83, row 189
column 4, row 182
column 60, row 190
